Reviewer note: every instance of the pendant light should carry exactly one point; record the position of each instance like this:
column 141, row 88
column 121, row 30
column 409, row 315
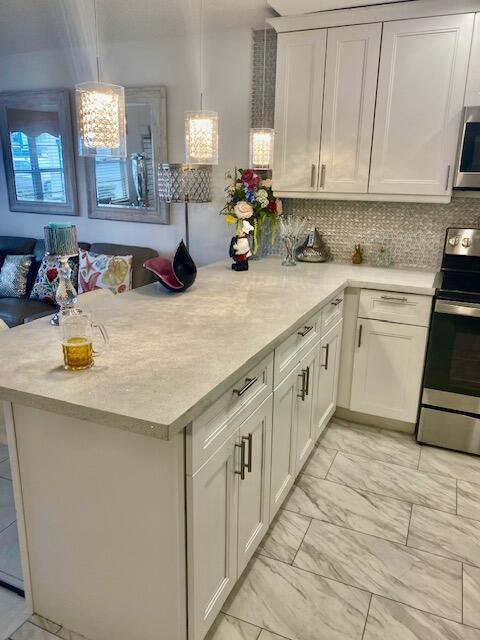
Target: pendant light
column 262, row 139
column 201, row 127
column 100, row 114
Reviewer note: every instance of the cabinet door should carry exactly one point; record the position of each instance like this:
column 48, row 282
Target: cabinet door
column 330, row 348
column 307, row 406
column 284, row 430
column 348, row 107
column 387, row 369
column 298, row 109
column 421, row 87
column 212, row 503
column 254, row 489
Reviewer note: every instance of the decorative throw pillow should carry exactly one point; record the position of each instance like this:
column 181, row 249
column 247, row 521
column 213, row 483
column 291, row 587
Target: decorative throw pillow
column 46, row 282
column 13, row 276
column 99, row 271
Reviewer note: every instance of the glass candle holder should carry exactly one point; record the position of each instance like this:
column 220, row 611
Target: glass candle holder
column 291, row 230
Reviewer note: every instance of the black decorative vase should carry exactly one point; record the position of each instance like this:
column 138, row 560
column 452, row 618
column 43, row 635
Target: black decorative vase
column 177, row 274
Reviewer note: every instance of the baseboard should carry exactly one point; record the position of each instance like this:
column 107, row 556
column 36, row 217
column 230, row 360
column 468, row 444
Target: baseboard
column 374, row 421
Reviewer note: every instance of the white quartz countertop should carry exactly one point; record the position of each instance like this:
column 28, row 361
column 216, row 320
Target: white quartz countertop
column 172, row 355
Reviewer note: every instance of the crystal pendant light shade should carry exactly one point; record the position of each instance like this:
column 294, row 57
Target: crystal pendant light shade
column 201, row 137
column 101, row 119
column 261, row 148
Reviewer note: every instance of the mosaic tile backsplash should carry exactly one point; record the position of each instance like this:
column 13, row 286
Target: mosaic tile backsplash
column 414, row 233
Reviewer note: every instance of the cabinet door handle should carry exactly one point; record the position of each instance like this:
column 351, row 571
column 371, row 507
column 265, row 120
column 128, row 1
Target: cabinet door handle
column 449, row 168
column 241, row 473
column 302, row 390
column 360, row 336
column 249, row 439
column 336, row 302
column 401, row 299
column 307, row 390
column 249, row 382
column 327, row 351
column 305, row 331
column 323, row 171
column 312, row 175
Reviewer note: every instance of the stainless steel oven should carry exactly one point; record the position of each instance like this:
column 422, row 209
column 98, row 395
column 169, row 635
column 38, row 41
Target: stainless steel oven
column 450, row 408
column 468, row 167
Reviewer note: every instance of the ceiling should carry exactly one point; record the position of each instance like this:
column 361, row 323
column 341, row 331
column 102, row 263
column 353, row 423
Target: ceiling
column 35, row 25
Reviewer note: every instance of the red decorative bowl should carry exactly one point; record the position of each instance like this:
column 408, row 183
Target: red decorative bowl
column 177, row 274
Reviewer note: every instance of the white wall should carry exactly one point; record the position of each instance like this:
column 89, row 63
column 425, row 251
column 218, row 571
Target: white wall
column 174, row 64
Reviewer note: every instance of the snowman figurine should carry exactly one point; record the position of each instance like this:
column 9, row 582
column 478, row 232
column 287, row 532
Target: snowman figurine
column 240, row 247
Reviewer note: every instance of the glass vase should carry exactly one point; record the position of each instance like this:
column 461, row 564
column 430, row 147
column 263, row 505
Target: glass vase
column 290, row 245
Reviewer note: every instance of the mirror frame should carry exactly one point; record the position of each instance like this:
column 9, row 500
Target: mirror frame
column 156, row 97
column 36, row 100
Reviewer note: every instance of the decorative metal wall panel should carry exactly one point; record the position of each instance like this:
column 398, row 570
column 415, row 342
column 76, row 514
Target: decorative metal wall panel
column 413, row 232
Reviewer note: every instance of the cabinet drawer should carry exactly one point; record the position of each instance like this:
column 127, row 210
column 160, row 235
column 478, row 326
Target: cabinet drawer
column 216, row 424
column 293, row 348
column 405, row 308
column 332, row 313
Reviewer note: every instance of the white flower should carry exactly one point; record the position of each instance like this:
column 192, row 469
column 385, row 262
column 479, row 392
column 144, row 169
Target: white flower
column 267, row 183
column 243, row 210
column 262, row 197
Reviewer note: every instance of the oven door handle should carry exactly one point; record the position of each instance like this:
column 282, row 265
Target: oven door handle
column 457, row 308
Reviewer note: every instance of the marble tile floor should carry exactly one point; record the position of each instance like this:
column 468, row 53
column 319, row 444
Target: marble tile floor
column 378, row 539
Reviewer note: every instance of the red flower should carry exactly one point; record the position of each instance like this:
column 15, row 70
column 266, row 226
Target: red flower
column 251, row 179
column 272, row 206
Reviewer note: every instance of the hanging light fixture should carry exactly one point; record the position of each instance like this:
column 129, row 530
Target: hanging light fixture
column 100, row 114
column 262, row 139
column 201, row 127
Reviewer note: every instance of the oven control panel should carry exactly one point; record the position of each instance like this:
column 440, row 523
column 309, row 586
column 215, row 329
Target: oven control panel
column 462, row 242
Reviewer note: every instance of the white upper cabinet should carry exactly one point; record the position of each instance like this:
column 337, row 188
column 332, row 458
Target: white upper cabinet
column 298, row 109
column 472, row 96
column 348, row 107
column 420, row 97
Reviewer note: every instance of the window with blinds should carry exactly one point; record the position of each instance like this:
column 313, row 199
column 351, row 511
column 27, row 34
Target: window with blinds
column 38, row 167
column 112, row 181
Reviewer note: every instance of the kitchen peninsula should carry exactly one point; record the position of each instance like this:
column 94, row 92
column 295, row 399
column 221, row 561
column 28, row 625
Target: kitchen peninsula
column 144, row 485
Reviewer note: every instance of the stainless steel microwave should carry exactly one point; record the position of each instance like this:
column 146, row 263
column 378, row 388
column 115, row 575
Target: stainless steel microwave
column 468, row 168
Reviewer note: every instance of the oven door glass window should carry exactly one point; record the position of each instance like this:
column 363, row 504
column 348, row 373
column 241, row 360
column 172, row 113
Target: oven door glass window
column 470, row 162
column 453, row 360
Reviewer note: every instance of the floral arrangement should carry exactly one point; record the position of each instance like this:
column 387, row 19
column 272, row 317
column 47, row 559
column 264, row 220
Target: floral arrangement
column 251, row 197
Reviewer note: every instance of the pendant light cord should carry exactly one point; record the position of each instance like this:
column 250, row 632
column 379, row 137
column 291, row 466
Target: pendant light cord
column 202, row 61
column 264, row 65
column 96, row 39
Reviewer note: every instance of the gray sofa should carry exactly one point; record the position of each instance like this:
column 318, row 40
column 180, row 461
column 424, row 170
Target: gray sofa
column 15, row 311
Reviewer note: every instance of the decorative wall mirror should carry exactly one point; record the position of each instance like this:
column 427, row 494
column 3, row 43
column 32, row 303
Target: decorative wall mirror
column 37, row 142
column 126, row 188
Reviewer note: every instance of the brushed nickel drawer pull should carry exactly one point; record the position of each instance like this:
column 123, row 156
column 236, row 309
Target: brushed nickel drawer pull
column 336, row 302
column 360, row 330
column 323, row 171
column 305, row 331
column 327, row 352
column 241, row 473
column 312, row 175
column 307, row 391
column 249, row 439
column 449, row 168
column 249, row 382
column 394, row 299
column 302, row 393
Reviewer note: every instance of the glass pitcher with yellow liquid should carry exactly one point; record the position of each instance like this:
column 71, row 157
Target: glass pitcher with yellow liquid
column 78, row 342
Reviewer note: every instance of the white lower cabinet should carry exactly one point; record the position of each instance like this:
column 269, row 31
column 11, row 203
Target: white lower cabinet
column 387, row 369
column 327, row 382
column 212, row 505
column 228, row 514
column 284, row 439
column 307, row 400
column 254, row 488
